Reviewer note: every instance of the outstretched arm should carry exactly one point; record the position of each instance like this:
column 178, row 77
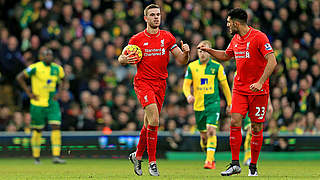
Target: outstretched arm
column 218, row 54
column 181, row 56
column 272, row 62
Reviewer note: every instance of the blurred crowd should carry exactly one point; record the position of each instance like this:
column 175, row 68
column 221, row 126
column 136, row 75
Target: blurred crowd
column 87, row 36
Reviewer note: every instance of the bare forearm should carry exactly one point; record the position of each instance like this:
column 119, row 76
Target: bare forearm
column 62, row 85
column 269, row 68
column 219, row 54
column 22, row 82
column 184, row 58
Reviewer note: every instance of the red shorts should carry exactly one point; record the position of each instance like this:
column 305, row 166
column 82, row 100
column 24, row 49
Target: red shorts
column 255, row 104
column 150, row 91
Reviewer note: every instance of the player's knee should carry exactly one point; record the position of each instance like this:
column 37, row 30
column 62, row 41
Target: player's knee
column 235, row 123
column 211, row 131
column 236, row 119
column 55, row 127
column 256, row 127
column 154, row 120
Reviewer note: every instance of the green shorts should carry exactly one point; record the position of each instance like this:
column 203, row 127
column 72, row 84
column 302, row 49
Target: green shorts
column 39, row 115
column 210, row 116
column 246, row 122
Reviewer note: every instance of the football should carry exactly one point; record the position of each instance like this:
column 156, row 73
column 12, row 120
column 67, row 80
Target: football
column 133, row 48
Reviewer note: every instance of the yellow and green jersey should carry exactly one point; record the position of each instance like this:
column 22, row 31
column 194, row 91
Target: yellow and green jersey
column 205, row 79
column 44, row 79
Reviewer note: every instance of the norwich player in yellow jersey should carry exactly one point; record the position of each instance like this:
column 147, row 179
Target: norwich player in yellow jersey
column 206, row 74
column 45, row 75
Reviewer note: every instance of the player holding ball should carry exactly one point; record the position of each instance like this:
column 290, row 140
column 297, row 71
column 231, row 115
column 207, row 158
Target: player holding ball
column 150, row 80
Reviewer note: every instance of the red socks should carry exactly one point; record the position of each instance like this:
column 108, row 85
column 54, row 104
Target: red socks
column 235, row 142
column 152, row 132
column 142, row 143
column 256, row 143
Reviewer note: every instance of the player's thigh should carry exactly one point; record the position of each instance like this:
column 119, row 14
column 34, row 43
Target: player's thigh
column 54, row 113
column 38, row 116
column 201, row 120
column 213, row 115
column 145, row 93
column 258, row 107
column 240, row 104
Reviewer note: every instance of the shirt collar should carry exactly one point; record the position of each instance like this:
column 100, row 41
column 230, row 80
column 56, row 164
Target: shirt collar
column 247, row 34
column 151, row 35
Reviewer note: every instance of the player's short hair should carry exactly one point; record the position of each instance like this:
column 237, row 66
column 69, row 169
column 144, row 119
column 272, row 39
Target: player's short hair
column 238, row 14
column 207, row 43
column 151, row 6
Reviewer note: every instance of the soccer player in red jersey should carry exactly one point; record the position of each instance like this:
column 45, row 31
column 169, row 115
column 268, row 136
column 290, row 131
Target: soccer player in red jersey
column 255, row 62
column 150, row 80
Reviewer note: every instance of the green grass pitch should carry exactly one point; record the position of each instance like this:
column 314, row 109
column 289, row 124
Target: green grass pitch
column 169, row 169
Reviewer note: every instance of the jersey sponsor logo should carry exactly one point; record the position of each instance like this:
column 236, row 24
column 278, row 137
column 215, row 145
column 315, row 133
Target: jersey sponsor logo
column 145, row 44
column 154, row 52
column 268, row 46
column 242, row 54
column 204, row 81
column 162, row 43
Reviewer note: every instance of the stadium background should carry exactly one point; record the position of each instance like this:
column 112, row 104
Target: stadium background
column 88, row 35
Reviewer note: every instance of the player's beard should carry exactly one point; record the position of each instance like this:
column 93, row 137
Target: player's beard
column 154, row 26
column 233, row 32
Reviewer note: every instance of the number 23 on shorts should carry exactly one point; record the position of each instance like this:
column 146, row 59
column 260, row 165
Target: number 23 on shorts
column 260, row 112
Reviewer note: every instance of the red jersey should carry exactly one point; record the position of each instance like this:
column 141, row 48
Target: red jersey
column 249, row 52
column 155, row 53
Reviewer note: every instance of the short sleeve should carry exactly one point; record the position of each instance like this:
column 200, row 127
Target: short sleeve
column 172, row 41
column 61, row 72
column 264, row 45
column 133, row 40
column 188, row 74
column 221, row 74
column 31, row 70
column 229, row 50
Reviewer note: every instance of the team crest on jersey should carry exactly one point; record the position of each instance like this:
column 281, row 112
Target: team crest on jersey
column 162, row 43
column 248, row 44
column 212, row 70
column 268, row 46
